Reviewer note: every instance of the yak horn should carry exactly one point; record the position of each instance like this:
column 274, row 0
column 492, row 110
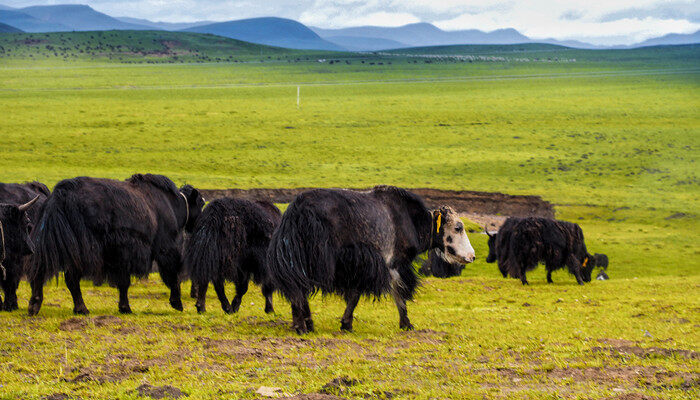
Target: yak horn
column 26, row 206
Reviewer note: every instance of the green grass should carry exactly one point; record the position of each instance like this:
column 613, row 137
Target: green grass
column 611, row 139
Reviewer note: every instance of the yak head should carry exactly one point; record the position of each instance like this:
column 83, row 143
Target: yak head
column 492, row 246
column 194, row 203
column 450, row 237
column 587, row 264
column 14, row 229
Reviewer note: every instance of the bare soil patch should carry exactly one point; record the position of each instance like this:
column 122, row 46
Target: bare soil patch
column 491, row 204
column 160, row 392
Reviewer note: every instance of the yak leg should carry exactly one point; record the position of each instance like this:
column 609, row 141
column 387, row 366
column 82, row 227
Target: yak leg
column 549, row 276
column 351, row 300
column 523, row 274
column 193, row 291
column 241, row 289
column 307, row 316
column 170, row 265
column 298, row 322
column 221, row 294
column 267, row 292
column 37, row 296
column 201, row 293
column 73, row 283
column 396, row 283
column 10, row 288
column 124, row 306
column 575, row 266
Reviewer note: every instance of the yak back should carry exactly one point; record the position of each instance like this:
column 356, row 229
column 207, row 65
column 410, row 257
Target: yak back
column 231, row 237
column 88, row 220
column 341, row 241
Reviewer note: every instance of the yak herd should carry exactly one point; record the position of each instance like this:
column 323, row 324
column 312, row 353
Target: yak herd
column 351, row 243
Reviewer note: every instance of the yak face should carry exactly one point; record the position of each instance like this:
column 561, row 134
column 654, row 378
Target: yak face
column 492, row 247
column 195, row 202
column 14, row 230
column 587, row 265
column 453, row 242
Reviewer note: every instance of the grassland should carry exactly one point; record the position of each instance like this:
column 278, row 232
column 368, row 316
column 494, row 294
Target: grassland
column 611, row 139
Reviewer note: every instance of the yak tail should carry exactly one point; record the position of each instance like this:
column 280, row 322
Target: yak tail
column 214, row 249
column 62, row 241
column 300, row 260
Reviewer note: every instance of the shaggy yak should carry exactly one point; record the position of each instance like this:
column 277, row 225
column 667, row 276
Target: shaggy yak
column 522, row 243
column 15, row 245
column 358, row 243
column 15, row 263
column 111, row 230
column 438, row 267
column 229, row 243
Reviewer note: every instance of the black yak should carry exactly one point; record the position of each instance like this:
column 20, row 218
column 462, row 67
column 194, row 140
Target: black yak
column 358, row 243
column 229, row 243
column 522, row 243
column 15, row 263
column 436, row 266
column 15, row 244
column 111, row 230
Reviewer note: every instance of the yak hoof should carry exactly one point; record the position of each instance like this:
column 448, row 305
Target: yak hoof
column 407, row 326
column 269, row 309
column 309, row 325
column 9, row 306
column 81, row 310
column 345, row 327
column 301, row 330
column 176, row 304
column 33, row 309
column 235, row 305
column 125, row 309
column 228, row 310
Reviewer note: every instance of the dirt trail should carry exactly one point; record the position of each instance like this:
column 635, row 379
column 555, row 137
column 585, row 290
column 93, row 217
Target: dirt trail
column 486, row 208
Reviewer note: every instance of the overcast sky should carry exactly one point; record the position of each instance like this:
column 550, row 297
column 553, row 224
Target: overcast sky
column 596, row 21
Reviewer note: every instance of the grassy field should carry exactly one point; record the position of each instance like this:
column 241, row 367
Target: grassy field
column 611, row 138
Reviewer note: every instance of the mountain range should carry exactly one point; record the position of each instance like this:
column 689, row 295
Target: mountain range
column 288, row 33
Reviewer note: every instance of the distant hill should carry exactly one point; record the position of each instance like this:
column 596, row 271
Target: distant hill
column 4, row 28
column 355, row 43
column 28, row 23
column 3, row 7
column 424, row 34
column 270, row 31
column 672, row 39
column 78, row 18
column 144, row 47
column 166, row 26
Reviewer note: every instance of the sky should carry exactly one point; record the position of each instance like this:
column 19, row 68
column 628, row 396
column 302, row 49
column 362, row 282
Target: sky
column 605, row 22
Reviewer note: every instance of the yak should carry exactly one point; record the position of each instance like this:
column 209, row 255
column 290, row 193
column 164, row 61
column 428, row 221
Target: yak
column 106, row 229
column 522, row 243
column 355, row 243
column 15, row 244
column 15, row 264
column 229, row 243
column 436, row 266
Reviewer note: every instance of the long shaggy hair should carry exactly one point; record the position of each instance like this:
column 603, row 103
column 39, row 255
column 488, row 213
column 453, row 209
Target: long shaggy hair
column 436, row 266
column 230, row 240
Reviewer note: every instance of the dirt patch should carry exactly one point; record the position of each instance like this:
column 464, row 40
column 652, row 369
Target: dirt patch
column 106, row 320
column 59, row 396
column 464, row 202
column 237, row 349
column 73, row 324
column 160, row 392
column 649, row 352
column 339, row 385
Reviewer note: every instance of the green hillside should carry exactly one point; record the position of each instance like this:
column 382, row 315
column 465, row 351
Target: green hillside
column 136, row 47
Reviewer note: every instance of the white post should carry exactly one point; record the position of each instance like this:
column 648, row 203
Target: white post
column 298, row 95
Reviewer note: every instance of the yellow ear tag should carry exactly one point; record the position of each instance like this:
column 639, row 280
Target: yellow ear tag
column 585, row 261
column 439, row 220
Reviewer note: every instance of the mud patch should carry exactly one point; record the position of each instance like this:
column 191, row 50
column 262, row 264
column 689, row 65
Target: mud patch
column 649, row 352
column 483, row 203
column 160, row 392
column 73, row 324
column 339, row 385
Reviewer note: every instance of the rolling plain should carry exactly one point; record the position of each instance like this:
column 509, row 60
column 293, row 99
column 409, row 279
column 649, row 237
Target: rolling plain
column 610, row 137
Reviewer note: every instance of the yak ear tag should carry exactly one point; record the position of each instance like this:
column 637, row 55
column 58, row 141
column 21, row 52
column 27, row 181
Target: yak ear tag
column 438, row 221
column 585, row 261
